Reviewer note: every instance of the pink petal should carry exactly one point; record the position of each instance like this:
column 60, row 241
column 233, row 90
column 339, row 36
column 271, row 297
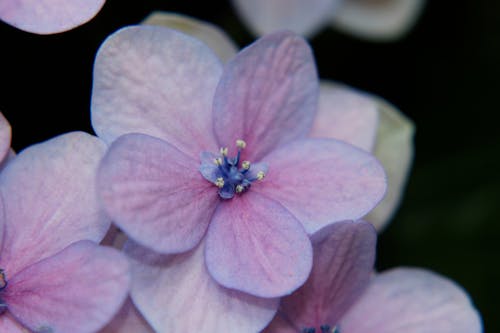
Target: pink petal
column 5, row 136
column 77, row 290
column 155, row 193
column 255, row 245
column 267, row 95
column 50, row 200
column 344, row 254
column 9, row 324
column 347, row 115
column 378, row 20
column 128, row 320
column 48, row 16
column 176, row 294
column 159, row 82
column 217, row 39
column 322, row 181
column 412, row 301
column 304, row 17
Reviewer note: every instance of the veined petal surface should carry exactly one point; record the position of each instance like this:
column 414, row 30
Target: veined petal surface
column 50, row 199
column 48, row 16
column 155, row 193
column 176, row 294
column 322, row 181
column 255, row 245
column 267, row 95
column 156, row 81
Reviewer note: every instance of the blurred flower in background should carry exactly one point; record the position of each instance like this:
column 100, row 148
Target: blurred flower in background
column 377, row 20
column 48, row 16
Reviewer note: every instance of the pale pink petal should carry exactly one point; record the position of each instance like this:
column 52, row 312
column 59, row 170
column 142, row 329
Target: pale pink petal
column 347, row 115
column 156, row 81
column 50, row 199
column 5, row 137
column 394, row 149
column 255, row 245
column 9, row 324
column 344, row 254
column 216, row 38
column 155, row 193
column 48, row 16
column 77, row 290
column 128, row 320
column 176, row 294
column 378, row 20
column 322, row 181
column 304, row 17
column 412, row 300
column 267, row 95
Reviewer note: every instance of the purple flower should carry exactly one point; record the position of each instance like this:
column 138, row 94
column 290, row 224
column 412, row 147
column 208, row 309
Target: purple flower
column 54, row 277
column 368, row 19
column 186, row 176
column 341, row 295
column 48, row 16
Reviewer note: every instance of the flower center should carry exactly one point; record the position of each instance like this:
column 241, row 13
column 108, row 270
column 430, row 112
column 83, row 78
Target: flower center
column 323, row 328
column 229, row 174
column 3, row 285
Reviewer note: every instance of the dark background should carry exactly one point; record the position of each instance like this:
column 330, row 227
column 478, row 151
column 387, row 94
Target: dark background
column 444, row 75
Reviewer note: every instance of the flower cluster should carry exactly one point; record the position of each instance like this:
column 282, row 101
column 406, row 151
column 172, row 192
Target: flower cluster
column 225, row 191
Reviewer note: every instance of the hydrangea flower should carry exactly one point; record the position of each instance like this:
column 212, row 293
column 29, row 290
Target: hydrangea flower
column 54, row 277
column 343, row 296
column 344, row 113
column 223, row 154
column 48, row 16
column 368, row 19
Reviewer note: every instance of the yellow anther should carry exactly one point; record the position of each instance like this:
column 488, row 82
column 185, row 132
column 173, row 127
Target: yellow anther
column 260, row 175
column 218, row 161
column 245, row 165
column 239, row 188
column 223, row 151
column 241, row 144
column 219, row 182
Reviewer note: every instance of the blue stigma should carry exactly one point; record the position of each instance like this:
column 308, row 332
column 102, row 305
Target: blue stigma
column 231, row 175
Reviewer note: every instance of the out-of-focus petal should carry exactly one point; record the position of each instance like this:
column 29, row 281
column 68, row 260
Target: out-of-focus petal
column 128, row 320
column 412, row 301
column 50, row 199
column 213, row 36
column 378, row 20
column 48, row 16
column 322, row 181
column 9, row 324
column 267, row 95
column 156, row 81
column 5, row 137
column 255, row 245
column 176, row 294
column 77, row 290
column 344, row 254
column 394, row 149
column 155, row 193
column 346, row 115
column 304, row 17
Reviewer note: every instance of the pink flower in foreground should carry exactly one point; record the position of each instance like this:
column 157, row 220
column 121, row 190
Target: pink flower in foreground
column 342, row 295
column 168, row 188
column 368, row 19
column 48, row 16
column 54, row 277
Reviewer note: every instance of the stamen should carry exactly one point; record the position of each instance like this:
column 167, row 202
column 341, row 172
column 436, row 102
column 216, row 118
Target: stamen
column 260, row 175
column 218, row 161
column 239, row 188
column 245, row 165
column 241, row 144
column 223, row 151
column 219, row 182
column 3, row 280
